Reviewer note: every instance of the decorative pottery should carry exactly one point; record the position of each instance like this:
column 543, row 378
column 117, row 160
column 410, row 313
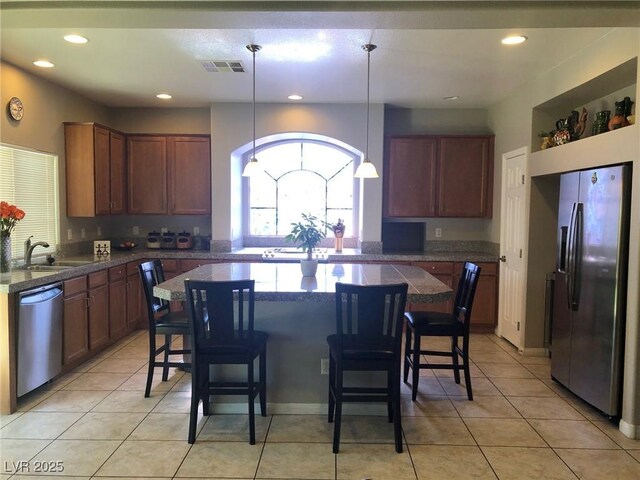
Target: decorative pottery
column 5, row 254
column 309, row 267
column 601, row 123
column 338, row 244
column 547, row 142
column 580, row 125
column 562, row 135
column 619, row 119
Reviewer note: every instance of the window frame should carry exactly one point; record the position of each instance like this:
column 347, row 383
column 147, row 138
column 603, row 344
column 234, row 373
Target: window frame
column 278, row 240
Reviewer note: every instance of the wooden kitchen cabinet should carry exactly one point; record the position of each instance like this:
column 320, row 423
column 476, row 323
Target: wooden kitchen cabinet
column 438, row 176
column 410, row 177
column 117, row 302
column 169, row 174
column 484, row 316
column 136, row 306
column 465, row 177
column 189, row 160
column 443, row 271
column 95, row 170
column 98, row 305
column 75, row 332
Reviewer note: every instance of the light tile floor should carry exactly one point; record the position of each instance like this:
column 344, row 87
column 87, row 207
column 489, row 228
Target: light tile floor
column 96, row 423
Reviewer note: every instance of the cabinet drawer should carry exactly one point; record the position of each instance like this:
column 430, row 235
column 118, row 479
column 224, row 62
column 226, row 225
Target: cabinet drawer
column 75, row 285
column 170, row 265
column 435, row 267
column 117, row 273
column 132, row 268
column 186, row 265
column 486, row 268
column 98, row 278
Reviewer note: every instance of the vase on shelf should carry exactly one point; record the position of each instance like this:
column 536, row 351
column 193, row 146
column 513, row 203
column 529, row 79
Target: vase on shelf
column 601, row 123
column 5, row 254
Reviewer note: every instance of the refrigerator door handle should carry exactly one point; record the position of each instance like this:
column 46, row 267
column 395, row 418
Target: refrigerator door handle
column 577, row 259
column 570, row 257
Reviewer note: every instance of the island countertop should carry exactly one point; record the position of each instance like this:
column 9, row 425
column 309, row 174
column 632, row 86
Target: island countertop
column 284, row 281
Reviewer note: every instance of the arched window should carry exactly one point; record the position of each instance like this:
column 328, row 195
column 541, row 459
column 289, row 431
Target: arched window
column 301, row 176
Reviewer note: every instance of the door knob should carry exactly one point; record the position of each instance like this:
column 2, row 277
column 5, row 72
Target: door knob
column 503, row 258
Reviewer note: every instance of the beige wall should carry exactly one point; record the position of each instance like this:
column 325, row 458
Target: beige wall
column 46, row 107
column 511, row 120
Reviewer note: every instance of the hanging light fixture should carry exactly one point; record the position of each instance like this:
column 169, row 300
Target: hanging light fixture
column 367, row 169
column 252, row 168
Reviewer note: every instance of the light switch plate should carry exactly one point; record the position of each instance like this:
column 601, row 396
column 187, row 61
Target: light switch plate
column 136, row 231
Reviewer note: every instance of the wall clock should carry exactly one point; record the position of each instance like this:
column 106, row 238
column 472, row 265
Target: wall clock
column 16, row 109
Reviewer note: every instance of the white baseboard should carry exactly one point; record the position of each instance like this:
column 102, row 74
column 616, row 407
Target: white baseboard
column 629, row 430
column 534, row 352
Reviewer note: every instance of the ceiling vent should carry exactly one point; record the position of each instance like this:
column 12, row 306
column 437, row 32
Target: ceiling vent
column 223, row 66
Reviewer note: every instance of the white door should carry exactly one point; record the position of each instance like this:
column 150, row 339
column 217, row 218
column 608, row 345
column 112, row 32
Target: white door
column 513, row 238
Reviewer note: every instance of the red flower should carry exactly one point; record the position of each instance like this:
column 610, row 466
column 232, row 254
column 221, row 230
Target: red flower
column 9, row 216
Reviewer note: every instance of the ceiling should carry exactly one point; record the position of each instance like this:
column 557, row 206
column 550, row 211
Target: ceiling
column 426, row 50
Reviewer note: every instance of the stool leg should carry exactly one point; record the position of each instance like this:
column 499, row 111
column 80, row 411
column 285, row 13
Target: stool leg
column 251, row 399
column 152, row 363
column 332, row 383
column 415, row 366
column 338, row 409
column 454, row 359
column 407, row 351
column 193, row 411
column 263, row 383
column 397, row 420
column 165, row 367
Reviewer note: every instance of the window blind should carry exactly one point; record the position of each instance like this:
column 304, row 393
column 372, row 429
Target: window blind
column 29, row 180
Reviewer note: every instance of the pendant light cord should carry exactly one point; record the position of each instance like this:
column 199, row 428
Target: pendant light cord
column 253, row 49
column 368, row 48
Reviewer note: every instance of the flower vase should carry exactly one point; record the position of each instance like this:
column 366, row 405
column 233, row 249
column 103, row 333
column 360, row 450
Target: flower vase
column 338, row 244
column 5, row 254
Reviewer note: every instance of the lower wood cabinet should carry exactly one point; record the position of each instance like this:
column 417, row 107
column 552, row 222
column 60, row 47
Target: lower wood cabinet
column 136, row 305
column 117, row 302
column 98, row 305
column 75, row 325
column 484, row 316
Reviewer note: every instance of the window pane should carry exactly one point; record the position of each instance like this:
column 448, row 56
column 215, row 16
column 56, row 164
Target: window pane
column 327, row 161
column 29, row 180
column 263, row 191
column 280, row 159
column 263, row 222
column 340, row 190
column 299, row 192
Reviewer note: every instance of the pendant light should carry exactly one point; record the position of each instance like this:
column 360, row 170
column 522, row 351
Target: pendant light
column 252, row 168
column 367, row 169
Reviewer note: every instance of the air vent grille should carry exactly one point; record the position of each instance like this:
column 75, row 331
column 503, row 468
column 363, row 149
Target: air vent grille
column 223, row 66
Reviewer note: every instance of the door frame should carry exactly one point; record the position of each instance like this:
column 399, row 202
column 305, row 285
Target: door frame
column 525, row 241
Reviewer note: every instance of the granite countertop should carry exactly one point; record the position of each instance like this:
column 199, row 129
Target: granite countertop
column 19, row 279
column 284, row 281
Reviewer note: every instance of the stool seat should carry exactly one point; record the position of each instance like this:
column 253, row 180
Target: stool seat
column 435, row 323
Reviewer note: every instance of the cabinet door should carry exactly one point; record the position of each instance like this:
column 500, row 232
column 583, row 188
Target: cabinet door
column 189, row 161
column 484, row 315
column 117, row 309
column 134, row 302
column 98, row 316
column 410, row 177
column 465, row 177
column 75, row 328
column 147, row 175
column 117, row 172
column 101, row 153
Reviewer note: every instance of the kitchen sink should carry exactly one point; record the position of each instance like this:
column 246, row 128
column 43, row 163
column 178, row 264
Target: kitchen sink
column 47, row 268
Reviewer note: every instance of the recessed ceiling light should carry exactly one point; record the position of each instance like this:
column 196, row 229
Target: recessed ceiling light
column 43, row 63
column 75, row 39
column 514, row 39
column 294, row 97
column 164, row 96
column 451, row 97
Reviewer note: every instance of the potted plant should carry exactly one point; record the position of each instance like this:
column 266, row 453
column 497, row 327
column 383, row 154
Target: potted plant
column 307, row 234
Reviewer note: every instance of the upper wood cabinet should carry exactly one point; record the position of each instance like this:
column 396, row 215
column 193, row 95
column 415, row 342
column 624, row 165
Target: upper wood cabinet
column 169, row 174
column 95, row 170
column 410, row 176
column 438, row 176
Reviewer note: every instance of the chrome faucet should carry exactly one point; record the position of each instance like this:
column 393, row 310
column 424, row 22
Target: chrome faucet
column 28, row 249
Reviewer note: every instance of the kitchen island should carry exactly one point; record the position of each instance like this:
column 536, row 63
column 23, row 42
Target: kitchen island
column 299, row 313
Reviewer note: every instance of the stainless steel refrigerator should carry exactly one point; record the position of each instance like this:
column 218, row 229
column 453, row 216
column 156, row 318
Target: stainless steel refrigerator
column 587, row 342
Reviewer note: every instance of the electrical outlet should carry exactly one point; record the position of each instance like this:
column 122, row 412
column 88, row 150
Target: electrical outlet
column 69, row 234
column 324, row 366
column 164, row 230
column 196, row 230
column 83, row 234
column 438, row 232
column 99, row 231
column 136, row 231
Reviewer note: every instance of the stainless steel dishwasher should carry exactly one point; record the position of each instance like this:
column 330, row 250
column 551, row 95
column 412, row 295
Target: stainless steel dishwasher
column 39, row 336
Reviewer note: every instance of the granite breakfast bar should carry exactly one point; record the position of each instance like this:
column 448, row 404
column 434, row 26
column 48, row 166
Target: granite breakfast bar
column 299, row 313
